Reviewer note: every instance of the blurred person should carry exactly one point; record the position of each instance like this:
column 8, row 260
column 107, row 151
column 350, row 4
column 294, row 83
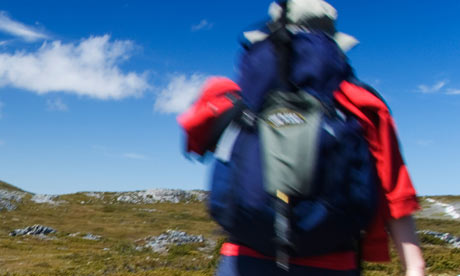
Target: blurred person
column 318, row 64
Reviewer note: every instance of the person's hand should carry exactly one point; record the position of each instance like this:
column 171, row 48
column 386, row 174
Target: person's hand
column 415, row 272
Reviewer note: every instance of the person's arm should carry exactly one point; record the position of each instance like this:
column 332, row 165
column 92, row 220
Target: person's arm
column 404, row 236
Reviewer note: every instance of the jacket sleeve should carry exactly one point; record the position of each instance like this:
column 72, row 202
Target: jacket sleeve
column 397, row 194
column 396, row 183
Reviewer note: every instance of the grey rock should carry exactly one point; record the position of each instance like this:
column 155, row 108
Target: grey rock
column 46, row 199
column 171, row 237
column 160, row 195
column 33, row 230
column 448, row 238
column 435, row 209
column 92, row 237
column 10, row 199
column 97, row 195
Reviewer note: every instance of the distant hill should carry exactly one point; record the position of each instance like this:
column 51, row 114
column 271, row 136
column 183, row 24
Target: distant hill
column 154, row 232
column 9, row 187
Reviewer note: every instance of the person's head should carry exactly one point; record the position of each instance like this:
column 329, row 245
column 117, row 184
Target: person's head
column 313, row 15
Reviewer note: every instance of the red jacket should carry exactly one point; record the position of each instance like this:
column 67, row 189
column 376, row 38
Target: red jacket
column 398, row 196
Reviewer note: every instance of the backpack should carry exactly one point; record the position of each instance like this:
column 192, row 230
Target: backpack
column 296, row 177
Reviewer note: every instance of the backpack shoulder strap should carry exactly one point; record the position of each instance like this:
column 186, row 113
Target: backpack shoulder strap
column 281, row 40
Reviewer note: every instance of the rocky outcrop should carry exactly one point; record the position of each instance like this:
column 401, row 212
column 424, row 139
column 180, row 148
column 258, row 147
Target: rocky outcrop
column 449, row 210
column 446, row 237
column 10, row 199
column 439, row 208
column 92, row 237
column 33, row 230
column 170, row 237
column 160, row 195
column 48, row 199
column 97, row 195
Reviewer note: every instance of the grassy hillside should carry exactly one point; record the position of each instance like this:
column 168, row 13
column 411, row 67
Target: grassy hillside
column 9, row 187
column 440, row 258
column 123, row 229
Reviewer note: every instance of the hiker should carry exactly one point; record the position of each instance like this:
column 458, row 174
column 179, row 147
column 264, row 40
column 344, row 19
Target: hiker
column 315, row 63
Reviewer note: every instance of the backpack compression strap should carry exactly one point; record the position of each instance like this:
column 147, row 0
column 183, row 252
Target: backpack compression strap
column 281, row 40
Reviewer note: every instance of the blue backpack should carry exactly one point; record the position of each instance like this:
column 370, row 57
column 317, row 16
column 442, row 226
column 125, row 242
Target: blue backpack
column 309, row 186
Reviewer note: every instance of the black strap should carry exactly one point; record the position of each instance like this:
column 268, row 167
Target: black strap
column 281, row 39
column 283, row 233
column 221, row 122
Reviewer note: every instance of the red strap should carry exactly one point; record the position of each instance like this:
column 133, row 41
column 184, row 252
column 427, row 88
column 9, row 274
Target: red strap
column 335, row 261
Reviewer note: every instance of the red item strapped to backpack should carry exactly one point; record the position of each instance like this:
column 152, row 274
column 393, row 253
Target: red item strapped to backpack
column 199, row 119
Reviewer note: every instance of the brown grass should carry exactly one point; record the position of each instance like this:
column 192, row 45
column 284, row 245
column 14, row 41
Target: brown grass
column 122, row 225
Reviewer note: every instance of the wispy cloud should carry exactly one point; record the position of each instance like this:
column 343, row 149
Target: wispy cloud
column 136, row 156
column 203, row 25
column 426, row 89
column 105, row 151
column 439, row 87
column 89, row 68
column 18, row 29
column 56, row 105
column 181, row 91
column 453, row 91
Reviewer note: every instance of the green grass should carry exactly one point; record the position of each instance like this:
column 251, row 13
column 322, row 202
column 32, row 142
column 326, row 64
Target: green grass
column 9, row 187
column 123, row 227
column 445, row 198
column 446, row 226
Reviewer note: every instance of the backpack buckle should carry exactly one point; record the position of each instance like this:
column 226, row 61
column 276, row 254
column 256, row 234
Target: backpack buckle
column 282, row 230
column 248, row 119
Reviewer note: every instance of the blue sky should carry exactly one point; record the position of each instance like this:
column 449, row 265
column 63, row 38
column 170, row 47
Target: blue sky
column 89, row 90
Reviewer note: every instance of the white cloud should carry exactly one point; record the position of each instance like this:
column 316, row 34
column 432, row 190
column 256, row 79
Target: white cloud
column 203, row 25
column 432, row 89
column 134, row 156
column 18, row 29
column 89, row 68
column 453, row 91
column 179, row 93
column 105, row 151
column 56, row 105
